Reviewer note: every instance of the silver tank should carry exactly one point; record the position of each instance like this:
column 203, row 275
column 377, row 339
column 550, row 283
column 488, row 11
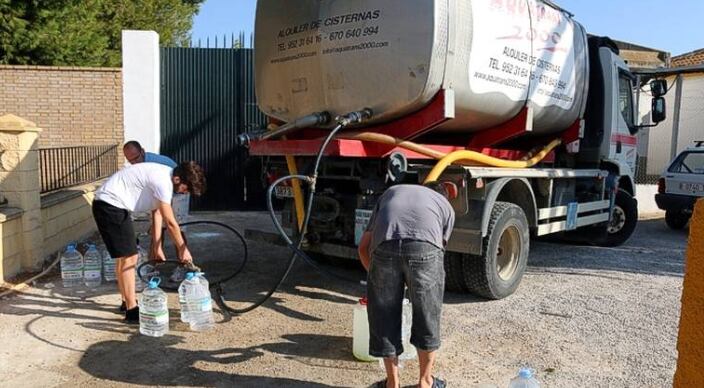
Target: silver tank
column 393, row 56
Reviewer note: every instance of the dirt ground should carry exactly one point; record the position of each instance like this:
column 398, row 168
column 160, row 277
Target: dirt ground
column 582, row 317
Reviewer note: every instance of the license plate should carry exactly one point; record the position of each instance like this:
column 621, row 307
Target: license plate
column 692, row 187
column 283, row 192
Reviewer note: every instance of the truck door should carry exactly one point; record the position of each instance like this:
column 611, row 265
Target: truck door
column 623, row 144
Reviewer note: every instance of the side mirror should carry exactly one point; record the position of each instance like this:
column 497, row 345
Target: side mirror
column 658, row 87
column 659, row 113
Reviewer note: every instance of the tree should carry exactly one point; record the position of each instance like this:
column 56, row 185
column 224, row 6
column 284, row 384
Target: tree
column 86, row 32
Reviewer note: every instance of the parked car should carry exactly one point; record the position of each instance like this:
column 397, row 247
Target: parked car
column 681, row 185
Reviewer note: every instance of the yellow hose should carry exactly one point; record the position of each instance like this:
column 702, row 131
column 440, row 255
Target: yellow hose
column 445, row 160
column 390, row 140
column 488, row 160
column 295, row 185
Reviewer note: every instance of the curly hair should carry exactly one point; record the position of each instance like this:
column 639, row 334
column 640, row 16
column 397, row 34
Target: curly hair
column 192, row 175
column 437, row 187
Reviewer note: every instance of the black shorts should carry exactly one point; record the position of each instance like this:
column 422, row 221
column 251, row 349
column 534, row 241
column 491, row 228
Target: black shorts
column 116, row 229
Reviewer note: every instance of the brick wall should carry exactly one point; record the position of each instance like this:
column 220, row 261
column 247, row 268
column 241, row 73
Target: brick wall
column 73, row 105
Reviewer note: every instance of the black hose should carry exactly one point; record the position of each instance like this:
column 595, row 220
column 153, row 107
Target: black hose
column 236, row 272
column 343, row 121
column 296, row 248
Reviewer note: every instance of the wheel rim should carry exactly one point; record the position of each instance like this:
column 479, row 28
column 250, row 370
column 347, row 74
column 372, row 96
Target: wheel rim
column 618, row 220
column 509, row 251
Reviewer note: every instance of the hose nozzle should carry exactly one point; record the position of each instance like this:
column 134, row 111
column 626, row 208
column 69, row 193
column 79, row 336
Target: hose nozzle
column 355, row 117
column 312, row 120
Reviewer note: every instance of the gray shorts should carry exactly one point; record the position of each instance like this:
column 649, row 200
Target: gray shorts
column 419, row 266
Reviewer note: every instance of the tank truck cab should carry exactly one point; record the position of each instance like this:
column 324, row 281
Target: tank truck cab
column 611, row 127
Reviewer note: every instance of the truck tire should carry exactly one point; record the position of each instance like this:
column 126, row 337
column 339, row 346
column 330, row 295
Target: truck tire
column 676, row 220
column 454, row 275
column 623, row 220
column 498, row 272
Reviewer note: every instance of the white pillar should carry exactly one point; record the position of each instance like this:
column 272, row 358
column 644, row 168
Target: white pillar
column 141, row 88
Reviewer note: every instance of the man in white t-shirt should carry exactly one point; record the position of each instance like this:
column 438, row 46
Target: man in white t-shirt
column 140, row 188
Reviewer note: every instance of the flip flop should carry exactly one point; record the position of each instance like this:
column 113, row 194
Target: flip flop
column 439, row 383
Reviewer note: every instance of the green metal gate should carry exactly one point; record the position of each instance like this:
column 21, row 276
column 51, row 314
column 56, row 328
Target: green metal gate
column 207, row 99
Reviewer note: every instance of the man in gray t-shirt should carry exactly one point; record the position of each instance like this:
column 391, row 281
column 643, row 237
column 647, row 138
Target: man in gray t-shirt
column 406, row 239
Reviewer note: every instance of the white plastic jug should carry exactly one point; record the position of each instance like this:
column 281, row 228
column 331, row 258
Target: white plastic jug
column 153, row 310
column 200, row 315
column 92, row 266
column 184, row 290
column 525, row 379
column 360, row 332
column 109, row 264
column 409, row 351
column 72, row 267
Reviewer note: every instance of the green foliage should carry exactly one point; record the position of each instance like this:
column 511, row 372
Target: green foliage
column 86, row 32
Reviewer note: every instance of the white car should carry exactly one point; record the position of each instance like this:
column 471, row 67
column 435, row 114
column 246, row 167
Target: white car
column 681, row 185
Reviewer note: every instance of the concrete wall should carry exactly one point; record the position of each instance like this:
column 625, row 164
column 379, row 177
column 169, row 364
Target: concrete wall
column 690, row 344
column 142, row 88
column 645, row 194
column 11, row 244
column 73, row 105
column 66, row 217
column 690, row 124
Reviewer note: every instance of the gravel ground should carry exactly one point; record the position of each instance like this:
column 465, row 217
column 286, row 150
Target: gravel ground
column 582, row 317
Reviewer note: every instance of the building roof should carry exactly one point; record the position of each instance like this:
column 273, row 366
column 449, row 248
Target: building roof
column 691, row 58
column 641, row 57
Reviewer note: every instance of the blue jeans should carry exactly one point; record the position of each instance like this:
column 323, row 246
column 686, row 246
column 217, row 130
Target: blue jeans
column 419, row 266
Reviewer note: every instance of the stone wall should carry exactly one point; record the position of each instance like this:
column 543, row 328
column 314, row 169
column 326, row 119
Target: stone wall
column 31, row 226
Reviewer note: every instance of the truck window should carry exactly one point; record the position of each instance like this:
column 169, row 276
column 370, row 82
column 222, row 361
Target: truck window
column 689, row 163
column 625, row 99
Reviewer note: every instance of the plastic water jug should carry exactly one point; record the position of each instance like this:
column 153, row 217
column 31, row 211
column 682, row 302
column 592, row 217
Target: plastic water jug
column 184, row 288
column 360, row 332
column 525, row 379
column 153, row 310
column 141, row 259
column 92, row 265
column 200, row 304
column 409, row 351
column 109, row 265
column 71, row 267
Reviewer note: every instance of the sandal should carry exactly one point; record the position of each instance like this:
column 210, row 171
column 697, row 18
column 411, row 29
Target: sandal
column 381, row 384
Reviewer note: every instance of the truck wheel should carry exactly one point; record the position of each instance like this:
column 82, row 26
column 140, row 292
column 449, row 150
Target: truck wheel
column 623, row 220
column 454, row 277
column 676, row 219
column 497, row 273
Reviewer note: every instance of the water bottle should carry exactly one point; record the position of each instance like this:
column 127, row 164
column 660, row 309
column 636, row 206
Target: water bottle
column 92, row 267
column 409, row 351
column 141, row 259
column 185, row 288
column 153, row 310
column 524, row 379
column 71, row 267
column 109, row 265
column 360, row 332
column 201, row 304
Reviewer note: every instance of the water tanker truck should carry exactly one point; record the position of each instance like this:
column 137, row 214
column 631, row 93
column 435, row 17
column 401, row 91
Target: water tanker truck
column 533, row 119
